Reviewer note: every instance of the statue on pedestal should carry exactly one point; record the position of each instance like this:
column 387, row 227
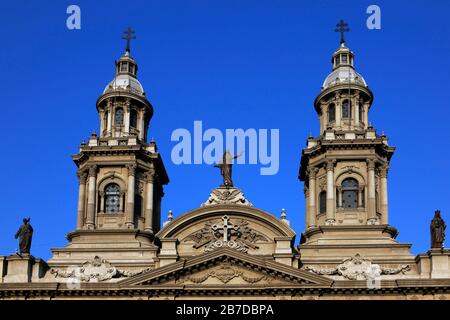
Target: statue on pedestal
column 25, row 234
column 437, row 229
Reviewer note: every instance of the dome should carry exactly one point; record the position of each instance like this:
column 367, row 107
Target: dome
column 125, row 82
column 343, row 74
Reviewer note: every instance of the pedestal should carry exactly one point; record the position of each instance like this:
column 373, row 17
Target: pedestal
column 23, row 269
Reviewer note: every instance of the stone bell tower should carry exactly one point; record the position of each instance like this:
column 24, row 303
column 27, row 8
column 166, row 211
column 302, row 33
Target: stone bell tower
column 344, row 171
column 121, row 177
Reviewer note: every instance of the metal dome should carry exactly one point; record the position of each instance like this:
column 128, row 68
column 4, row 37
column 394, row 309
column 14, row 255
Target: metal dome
column 125, row 82
column 342, row 75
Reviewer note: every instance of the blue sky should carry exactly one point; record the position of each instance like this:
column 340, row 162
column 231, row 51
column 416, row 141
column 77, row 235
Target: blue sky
column 262, row 62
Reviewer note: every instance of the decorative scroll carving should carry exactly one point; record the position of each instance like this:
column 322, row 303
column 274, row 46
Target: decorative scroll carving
column 401, row 269
column 94, row 270
column 329, row 166
column 359, row 268
column 218, row 234
column 82, row 177
column 93, row 171
column 349, row 169
column 370, row 164
column 224, row 195
column 225, row 273
column 384, row 171
column 322, row 183
column 312, row 172
column 131, row 169
column 150, row 176
column 140, row 188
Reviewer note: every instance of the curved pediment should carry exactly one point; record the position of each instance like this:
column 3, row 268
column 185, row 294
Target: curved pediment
column 242, row 228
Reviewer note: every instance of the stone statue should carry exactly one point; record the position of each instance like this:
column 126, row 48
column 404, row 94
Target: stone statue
column 226, row 167
column 437, row 229
column 25, row 234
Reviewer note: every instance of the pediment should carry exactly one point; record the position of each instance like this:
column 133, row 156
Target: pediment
column 227, row 268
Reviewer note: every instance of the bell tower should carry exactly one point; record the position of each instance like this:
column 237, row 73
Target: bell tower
column 344, row 169
column 121, row 177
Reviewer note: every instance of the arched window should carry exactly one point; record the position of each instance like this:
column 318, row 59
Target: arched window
column 133, row 118
column 118, row 117
column 112, row 198
column 124, row 67
column 350, row 190
column 323, row 202
column 331, row 113
column 346, row 109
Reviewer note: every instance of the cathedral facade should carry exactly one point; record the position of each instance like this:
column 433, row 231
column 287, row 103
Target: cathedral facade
column 228, row 248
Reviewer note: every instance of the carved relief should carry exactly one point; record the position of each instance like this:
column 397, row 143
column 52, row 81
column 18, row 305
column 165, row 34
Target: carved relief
column 227, row 196
column 140, row 187
column 94, row 270
column 223, row 233
column 359, row 268
column 349, row 169
column 225, row 273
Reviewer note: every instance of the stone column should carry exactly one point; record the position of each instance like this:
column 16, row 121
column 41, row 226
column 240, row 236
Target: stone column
column 338, row 106
column 366, row 115
column 109, row 120
column 339, row 189
column 312, row 172
column 121, row 197
column 102, row 122
column 356, row 117
column 91, row 197
column 82, row 177
column 127, row 111
column 324, row 117
column 360, row 196
column 307, row 218
column 140, row 124
column 102, row 201
column 384, row 194
column 371, row 214
column 330, row 192
column 130, row 196
column 149, row 178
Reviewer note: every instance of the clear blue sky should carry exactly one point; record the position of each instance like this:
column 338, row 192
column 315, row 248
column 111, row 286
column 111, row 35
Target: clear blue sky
column 261, row 61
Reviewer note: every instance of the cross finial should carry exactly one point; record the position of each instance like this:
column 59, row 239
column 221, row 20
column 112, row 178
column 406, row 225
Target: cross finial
column 341, row 27
column 128, row 35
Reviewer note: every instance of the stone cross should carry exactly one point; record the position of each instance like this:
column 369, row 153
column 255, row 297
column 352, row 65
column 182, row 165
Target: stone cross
column 341, row 27
column 128, row 35
column 225, row 226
